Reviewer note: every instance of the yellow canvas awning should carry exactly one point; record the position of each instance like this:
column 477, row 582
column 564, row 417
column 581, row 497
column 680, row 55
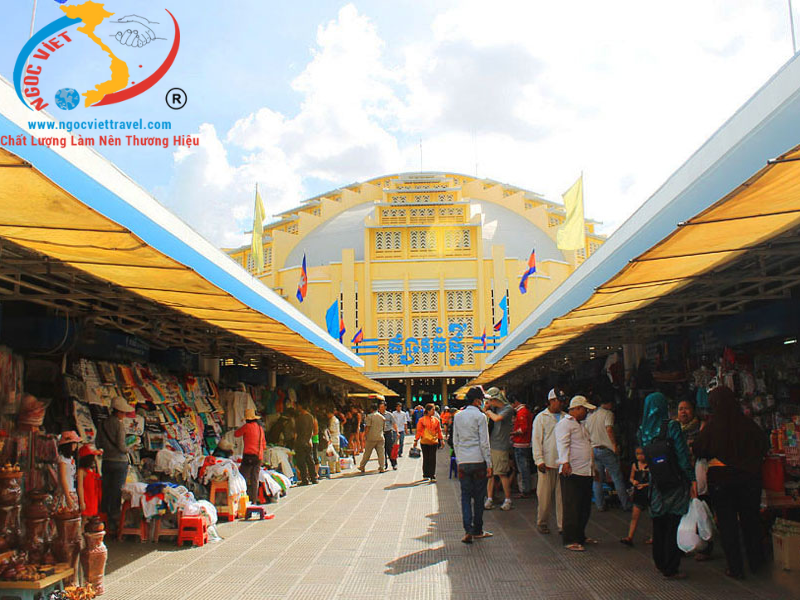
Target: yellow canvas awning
column 759, row 210
column 73, row 206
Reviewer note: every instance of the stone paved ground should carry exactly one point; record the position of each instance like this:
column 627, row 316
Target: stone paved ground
column 380, row 536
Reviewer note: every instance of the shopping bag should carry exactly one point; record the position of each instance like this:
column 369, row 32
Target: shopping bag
column 705, row 521
column 395, row 452
column 688, row 538
column 414, row 453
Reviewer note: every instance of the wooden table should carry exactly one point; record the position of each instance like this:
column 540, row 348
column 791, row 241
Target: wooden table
column 28, row 590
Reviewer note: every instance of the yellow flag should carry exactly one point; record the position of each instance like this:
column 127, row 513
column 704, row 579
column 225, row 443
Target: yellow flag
column 257, row 245
column 572, row 234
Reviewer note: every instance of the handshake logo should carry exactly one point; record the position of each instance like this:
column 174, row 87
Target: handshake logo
column 138, row 32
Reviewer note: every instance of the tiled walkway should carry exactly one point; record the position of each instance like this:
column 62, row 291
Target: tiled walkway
column 390, row 536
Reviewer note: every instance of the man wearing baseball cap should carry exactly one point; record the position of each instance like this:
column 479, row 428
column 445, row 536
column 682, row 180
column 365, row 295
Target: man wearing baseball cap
column 545, row 456
column 576, row 464
column 471, row 445
column 500, row 441
column 111, row 439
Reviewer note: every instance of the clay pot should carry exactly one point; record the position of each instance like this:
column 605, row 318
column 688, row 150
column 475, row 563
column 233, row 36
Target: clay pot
column 10, row 488
column 68, row 539
column 95, row 525
column 9, row 525
column 39, row 505
column 35, row 539
column 93, row 560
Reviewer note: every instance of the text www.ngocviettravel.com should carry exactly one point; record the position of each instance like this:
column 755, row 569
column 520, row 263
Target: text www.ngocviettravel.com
column 104, row 139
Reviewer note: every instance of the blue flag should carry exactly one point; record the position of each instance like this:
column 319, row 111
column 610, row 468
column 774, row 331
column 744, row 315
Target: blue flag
column 332, row 320
column 502, row 327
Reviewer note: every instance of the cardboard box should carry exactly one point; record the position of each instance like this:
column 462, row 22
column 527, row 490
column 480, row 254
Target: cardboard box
column 786, row 549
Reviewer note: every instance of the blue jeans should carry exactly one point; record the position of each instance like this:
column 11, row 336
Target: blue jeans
column 472, row 477
column 606, row 460
column 524, row 459
column 114, row 475
column 402, row 439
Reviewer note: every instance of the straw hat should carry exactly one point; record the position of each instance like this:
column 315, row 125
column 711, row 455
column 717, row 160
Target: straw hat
column 250, row 414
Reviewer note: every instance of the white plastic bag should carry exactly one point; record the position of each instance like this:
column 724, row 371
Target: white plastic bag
column 688, row 538
column 705, row 521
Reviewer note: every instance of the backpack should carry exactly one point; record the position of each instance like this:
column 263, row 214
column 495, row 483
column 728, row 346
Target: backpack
column 665, row 472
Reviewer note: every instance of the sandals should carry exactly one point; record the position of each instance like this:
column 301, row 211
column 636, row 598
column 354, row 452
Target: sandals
column 589, row 540
column 627, row 541
column 575, row 547
column 544, row 529
column 649, row 541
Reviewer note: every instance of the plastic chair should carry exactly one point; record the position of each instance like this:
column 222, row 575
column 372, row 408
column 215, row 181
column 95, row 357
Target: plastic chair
column 139, row 527
column 324, row 471
column 193, row 529
column 227, row 508
column 161, row 530
column 453, row 468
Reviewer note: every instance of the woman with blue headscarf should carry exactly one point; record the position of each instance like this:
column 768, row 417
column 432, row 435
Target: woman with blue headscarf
column 667, row 506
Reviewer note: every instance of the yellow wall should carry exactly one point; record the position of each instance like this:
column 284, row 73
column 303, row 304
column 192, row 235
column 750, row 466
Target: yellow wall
column 411, row 211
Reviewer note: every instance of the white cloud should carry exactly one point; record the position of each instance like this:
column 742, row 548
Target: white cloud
column 623, row 91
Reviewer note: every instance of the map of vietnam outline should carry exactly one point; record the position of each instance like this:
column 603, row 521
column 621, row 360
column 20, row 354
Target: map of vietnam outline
column 92, row 14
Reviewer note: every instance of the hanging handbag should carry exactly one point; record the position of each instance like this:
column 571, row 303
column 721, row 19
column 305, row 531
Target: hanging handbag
column 414, row 453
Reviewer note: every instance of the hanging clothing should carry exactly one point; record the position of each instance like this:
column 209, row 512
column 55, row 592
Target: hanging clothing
column 92, row 492
column 69, row 464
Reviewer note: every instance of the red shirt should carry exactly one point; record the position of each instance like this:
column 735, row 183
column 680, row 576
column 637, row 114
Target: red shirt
column 522, row 431
column 254, row 442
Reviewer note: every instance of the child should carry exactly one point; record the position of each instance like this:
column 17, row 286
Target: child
column 640, row 479
column 89, row 482
column 67, row 445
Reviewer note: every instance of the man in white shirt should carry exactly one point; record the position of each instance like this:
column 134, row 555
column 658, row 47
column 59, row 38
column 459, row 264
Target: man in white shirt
column 401, row 419
column 474, row 458
column 600, row 425
column 545, row 457
column 575, row 461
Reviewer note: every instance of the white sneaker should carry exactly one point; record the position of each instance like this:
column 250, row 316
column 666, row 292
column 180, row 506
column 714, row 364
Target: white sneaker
column 506, row 505
column 488, row 505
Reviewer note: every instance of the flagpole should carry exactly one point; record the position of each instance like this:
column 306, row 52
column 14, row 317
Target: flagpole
column 30, row 35
column 791, row 24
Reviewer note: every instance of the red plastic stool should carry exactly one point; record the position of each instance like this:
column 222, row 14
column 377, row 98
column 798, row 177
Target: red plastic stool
column 140, row 529
column 192, row 529
column 160, row 530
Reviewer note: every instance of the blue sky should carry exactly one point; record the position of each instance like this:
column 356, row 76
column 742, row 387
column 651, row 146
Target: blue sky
column 306, row 97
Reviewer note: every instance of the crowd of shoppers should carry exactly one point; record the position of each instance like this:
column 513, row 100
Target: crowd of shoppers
column 576, row 457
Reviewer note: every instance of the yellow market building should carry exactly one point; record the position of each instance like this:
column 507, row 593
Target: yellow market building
column 420, row 264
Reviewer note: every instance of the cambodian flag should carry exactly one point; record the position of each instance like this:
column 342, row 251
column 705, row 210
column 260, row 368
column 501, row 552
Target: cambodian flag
column 302, row 285
column 342, row 330
column 523, row 284
column 358, row 337
column 483, row 338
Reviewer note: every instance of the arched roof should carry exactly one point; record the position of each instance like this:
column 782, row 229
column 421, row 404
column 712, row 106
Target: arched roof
column 325, row 243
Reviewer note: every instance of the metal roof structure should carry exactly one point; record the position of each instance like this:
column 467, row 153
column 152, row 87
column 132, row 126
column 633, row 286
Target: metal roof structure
column 71, row 210
column 695, row 249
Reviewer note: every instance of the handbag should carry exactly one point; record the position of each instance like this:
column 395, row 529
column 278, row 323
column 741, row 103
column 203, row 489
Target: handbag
column 414, row 453
column 429, row 436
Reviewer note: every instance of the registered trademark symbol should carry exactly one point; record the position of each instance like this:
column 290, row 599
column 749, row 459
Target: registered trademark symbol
column 176, row 98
